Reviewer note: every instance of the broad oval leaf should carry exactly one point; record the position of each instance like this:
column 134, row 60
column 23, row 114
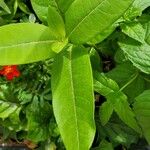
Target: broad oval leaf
column 87, row 18
column 73, row 99
column 25, row 43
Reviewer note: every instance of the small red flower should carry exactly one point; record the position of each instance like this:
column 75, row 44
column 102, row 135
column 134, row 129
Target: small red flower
column 10, row 72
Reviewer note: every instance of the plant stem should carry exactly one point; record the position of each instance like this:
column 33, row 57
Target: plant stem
column 129, row 82
column 148, row 80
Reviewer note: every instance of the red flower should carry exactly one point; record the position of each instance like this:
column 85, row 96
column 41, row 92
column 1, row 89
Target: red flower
column 10, row 72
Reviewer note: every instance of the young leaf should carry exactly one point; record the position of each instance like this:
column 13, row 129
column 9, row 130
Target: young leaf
column 41, row 9
column 84, row 24
column 73, row 99
column 142, row 111
column 104, row 85
column 25, row 43
column 4, row 6
column 55, row 20
column 6, row 109
column 96, row 61
column 105, row 112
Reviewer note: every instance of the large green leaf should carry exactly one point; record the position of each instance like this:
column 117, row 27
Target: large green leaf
column 142, row 110
column 25, row 43
column 85, row 23
column 73, row 99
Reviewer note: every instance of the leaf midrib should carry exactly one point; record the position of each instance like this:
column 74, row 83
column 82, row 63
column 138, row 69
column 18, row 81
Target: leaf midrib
column 73, row 96
column 28, row 43
column 85, row 18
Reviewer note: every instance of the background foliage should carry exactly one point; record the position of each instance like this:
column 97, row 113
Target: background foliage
column 115, row 35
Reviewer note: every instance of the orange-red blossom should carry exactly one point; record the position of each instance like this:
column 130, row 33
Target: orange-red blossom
column 10, row 72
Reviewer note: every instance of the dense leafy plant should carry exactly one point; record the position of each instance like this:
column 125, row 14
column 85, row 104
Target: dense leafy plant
column 97, row 54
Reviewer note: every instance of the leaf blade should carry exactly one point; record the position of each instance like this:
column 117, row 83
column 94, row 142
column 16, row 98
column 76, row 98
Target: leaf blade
column 68, row 79
column 35, row 44
column 82, row 24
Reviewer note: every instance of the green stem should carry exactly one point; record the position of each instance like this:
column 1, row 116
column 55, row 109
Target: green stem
column 129, row 82
column 148, row 80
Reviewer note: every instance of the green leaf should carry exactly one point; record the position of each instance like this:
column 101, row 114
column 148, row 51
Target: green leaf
column 23, row 7
column 41, row 9
column 83, row 25
column 105, row 112
column 104, row 85
column 73, row 99
column 26, row 43
column 134, row 30
column 55, row 20
column 126, row 73
column 142, row 111
column 138, row 54
column 141, row 4
column 96, row 61
column 136, row 9
column 123, row 110
column 4, row 6
column 104, row 145
column 122, row 73
column 116, row 98
column 102, row 36
column 120, row 133
column 6, row 109
column 63, row 4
